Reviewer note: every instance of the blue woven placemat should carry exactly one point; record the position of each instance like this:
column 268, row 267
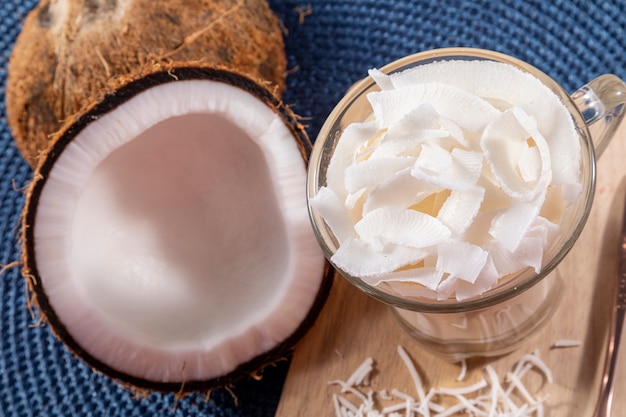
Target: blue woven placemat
column 330, row 45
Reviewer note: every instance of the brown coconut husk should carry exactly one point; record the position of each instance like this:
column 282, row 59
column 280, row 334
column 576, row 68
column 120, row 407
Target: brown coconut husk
column 70, row 51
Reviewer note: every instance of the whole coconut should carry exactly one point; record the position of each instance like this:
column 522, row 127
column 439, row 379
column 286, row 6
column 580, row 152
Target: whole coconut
column 71, row 52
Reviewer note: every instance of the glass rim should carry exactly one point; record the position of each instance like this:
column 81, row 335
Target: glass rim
column 516, row 283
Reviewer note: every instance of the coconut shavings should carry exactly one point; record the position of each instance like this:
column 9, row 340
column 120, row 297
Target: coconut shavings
column 463, row 370
column 490, row 396
column 566, row 343
column 470, row 163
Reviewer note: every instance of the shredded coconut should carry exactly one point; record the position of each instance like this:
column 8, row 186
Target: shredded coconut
column 489, row 397
column 565, row 343
column 463, row 370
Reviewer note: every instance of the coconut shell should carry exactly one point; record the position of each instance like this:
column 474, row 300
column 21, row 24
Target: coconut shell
column 125, row 88
column 70, row 51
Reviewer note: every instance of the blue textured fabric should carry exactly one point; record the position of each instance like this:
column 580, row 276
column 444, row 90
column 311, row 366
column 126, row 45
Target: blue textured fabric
column 328, row 50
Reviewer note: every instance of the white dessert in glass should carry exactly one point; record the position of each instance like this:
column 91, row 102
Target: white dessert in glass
column 449, row 184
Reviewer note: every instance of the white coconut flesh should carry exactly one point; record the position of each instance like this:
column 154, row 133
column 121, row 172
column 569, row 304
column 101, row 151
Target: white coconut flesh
column 172, row 236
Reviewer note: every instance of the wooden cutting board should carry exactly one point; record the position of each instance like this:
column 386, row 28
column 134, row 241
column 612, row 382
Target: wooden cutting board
column 353, row 327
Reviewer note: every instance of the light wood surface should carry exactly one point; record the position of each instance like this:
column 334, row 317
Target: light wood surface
column 353, row 327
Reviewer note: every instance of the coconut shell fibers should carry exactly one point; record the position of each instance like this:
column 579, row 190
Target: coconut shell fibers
column 70, row 52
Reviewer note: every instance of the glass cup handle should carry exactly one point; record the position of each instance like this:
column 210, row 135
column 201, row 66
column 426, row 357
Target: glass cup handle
column 602, row 103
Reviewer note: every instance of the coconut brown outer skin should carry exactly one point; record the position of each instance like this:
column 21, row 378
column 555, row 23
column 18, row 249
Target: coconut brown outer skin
column 70, row 51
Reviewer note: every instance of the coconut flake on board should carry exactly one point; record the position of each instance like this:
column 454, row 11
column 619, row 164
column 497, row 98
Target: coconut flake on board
column 457, row 164
column 491, row 395
column 566, row 343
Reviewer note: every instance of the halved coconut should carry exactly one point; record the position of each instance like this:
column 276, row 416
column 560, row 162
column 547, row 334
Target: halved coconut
column 166, row 234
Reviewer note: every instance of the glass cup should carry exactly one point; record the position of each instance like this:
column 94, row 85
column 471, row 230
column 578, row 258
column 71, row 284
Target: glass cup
column 497, row 321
